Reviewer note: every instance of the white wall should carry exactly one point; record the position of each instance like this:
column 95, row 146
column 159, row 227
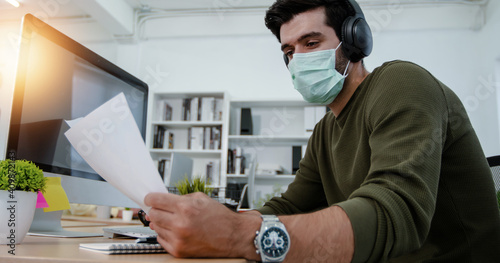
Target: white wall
column 246, row 66
column 251, row 67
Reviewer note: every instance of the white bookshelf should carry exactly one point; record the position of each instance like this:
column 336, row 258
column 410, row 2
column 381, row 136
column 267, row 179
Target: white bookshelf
column 277, row 126
column 180, row 130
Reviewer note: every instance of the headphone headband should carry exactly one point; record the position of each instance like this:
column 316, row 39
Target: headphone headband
column 357, row 8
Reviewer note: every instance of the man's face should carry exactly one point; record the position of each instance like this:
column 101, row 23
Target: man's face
column 308, row 32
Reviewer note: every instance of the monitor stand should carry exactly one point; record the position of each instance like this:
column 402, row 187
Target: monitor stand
column 49, row 224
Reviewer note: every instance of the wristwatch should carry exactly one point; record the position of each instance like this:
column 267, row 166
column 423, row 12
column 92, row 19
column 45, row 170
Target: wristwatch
column 272, row 241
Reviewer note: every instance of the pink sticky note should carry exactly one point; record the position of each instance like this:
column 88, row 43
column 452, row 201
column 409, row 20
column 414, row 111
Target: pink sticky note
column 40, row 201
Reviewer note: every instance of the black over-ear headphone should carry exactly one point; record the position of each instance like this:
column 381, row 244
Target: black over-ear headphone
column 357, row 41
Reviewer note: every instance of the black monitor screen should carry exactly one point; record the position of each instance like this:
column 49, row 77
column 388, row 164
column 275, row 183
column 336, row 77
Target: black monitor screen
column 58, row 80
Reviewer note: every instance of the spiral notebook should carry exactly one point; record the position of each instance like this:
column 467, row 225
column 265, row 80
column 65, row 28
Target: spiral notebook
column 123, row 248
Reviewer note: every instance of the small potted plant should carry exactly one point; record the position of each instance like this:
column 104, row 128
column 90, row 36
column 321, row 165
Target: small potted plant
column 20, row 181
column 197, row 185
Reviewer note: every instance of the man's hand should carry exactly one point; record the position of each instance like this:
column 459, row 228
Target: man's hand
column 194, row 225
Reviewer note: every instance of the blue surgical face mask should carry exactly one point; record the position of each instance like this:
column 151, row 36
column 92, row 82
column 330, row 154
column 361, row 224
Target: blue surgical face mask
column 314, row 76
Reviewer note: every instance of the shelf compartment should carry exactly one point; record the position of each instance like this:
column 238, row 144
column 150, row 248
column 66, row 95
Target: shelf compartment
column 187, row 124
column 270, row 103
column 272, row 140
column 188, row 152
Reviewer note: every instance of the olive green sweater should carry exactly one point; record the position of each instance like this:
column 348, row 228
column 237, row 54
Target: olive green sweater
column 405, row 164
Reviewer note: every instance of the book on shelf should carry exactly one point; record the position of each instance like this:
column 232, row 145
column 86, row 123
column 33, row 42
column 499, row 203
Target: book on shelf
column 218, row 109
column 194, row 110
column 230, row 161
column 215, row 138
column 163, row 138
column 204, row 138
column 202, row 109
column 213, row 172
column 164, row 110
column 124, row 248
column 207, row 137
column 163, row 167
column 158, row 137
column 167, row 114
column 170, row 139
column 186, row 109
column 235, row 161
column 207, row 108
column 195, row 138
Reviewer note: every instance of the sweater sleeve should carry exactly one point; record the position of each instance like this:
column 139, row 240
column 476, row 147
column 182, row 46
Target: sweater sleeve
column 407, row 118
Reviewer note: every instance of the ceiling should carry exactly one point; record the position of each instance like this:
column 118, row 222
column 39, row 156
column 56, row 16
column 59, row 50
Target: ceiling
column 200, row 4
column 69, row 8
column 140, row 19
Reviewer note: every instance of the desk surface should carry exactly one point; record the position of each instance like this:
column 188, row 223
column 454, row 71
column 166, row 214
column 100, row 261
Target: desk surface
column 52, row 249
column 81, row 221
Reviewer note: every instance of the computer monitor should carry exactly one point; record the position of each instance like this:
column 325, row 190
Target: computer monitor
column 59, row 80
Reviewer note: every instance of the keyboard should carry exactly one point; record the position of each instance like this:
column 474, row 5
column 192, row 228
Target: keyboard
column 129, row 231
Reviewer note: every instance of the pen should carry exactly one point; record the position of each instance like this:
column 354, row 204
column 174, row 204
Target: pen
column 142, row 217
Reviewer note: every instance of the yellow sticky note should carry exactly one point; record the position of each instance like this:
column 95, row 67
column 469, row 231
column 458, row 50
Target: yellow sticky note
column 55, row 195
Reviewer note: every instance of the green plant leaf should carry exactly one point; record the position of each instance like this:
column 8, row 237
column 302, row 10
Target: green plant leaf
column 28, row 177
column 197, row 185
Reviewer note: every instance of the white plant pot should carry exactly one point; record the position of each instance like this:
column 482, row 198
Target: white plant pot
column 16, row 216
column 127, row 215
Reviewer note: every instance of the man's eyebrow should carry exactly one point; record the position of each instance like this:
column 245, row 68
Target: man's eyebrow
column 310, row 34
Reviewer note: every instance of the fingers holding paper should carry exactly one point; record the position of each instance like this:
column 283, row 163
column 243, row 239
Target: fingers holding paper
column 192, row 225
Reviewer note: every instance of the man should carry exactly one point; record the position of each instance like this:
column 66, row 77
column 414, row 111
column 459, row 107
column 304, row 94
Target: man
column 393, row 173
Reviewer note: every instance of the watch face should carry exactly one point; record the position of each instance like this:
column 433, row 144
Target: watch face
column 274, row 242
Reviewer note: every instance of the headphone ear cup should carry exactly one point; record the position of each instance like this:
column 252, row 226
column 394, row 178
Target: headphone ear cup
column 363, row 39
column 347, row 37
column 357, row 41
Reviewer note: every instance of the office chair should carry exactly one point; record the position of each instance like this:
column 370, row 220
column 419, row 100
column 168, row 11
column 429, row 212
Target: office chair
column 494, row 162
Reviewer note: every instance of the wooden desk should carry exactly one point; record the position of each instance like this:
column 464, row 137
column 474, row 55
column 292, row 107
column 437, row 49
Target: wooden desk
column 81, row 221
column 52, row 249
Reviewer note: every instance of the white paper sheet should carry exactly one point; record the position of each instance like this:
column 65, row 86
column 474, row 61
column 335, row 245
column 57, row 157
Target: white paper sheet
column 109, row 140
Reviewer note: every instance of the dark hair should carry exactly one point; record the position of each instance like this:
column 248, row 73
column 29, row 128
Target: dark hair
column 282, row 11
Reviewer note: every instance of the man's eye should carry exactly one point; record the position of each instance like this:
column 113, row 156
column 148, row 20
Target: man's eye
column 289, row 54
column 311, row 44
